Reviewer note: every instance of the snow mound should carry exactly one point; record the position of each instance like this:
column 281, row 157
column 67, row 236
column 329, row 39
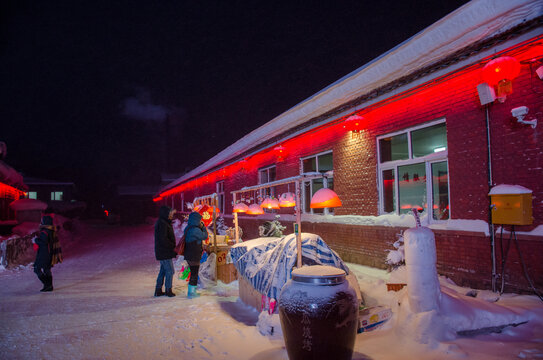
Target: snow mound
column 28, row 204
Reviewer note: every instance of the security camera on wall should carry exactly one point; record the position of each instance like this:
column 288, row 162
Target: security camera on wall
column 519, row 112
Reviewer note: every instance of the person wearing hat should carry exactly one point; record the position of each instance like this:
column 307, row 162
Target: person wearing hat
column 195, row 233
column 164, row 250
column 48, row 252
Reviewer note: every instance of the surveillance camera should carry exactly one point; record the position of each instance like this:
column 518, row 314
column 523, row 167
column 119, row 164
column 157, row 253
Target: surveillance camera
column 519, row 111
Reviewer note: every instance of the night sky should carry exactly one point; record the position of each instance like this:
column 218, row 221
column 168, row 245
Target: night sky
column 108, row 93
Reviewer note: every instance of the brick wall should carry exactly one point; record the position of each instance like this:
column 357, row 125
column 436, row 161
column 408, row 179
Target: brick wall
column 517, row 158
column 462, row 256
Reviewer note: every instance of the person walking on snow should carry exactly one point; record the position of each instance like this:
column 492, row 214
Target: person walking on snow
column 164, row 250
column 195, row 233
column 49, row 252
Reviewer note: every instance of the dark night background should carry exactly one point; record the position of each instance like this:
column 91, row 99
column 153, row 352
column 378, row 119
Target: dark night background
column 107, row 93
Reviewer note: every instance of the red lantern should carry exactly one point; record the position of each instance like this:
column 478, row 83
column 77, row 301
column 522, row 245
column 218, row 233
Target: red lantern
column 353, row 123
column 280, row 152
column 502, row 68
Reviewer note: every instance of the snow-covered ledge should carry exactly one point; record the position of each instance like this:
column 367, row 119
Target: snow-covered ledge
column 404, row 220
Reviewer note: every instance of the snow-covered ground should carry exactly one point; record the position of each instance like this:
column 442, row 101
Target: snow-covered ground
column 103, row 308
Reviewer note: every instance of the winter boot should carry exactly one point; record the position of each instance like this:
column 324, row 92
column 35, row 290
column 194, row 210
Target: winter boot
column 192, row 292
column 43, row 279
column 159, row 292
column 48, row 285
column 169, row 293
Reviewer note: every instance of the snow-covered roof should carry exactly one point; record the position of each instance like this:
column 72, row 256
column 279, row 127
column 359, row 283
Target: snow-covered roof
column 38, row 181
column 473, row 22
column 11, row 177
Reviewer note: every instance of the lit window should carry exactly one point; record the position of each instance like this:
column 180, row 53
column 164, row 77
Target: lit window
column 56, row 195
column 413, row 164
column 32, row 195
column 317, row 163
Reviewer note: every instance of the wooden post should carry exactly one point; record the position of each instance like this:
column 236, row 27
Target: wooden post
column 298, row 226
column 236, row 226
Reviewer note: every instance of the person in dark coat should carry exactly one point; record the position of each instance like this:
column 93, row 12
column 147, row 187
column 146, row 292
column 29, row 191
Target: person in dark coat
column 44, row 241
column 195, row 233
column 164, row 250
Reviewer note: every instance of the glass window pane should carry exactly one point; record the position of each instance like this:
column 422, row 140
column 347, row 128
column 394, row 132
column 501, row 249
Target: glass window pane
column 389, row 191
column 412, row 187
column 325, row 162
column 33, row 195
column 309, row 165
column 393, row 148
column 263, row 176
column 271, row 174
column 440, row 191
column 429, row 140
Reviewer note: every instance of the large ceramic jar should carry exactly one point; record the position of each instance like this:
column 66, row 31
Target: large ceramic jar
column 318, row 310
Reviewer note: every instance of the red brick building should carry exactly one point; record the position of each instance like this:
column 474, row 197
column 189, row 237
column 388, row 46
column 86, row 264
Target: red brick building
column 429, row 136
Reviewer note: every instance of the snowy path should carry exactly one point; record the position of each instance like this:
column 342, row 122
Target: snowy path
column 103, row 308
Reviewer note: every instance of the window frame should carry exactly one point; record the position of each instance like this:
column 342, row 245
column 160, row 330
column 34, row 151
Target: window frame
column 220, row 195
column 268, row 191
column 326, row 211
column 54, row 195
column 428, row 160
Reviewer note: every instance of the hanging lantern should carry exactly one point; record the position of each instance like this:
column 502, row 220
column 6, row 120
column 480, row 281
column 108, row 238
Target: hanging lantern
column 280, row 152
column 270, row 203
column 324, row 198
column 240, row 208
column 353, row 123
column 255, row 209
column 287, row 200
column 501, row 72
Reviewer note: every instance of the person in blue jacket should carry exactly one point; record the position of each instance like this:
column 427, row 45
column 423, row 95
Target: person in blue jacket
column 195, row 233
column 44, row 256
column 164, row 250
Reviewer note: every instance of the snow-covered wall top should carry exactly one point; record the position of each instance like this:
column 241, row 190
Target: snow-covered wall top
column 475, row 21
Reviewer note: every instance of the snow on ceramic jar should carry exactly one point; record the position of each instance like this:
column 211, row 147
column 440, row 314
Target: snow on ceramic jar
column 318, row 310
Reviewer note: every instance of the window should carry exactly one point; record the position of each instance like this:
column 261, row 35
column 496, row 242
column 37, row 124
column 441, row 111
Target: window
column 267, row 175
column 413, row 171
column 32, row 195
column 317, row 163
column 220, row 195
column 56, row 195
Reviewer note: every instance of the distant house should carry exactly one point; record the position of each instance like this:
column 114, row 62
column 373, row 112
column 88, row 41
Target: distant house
column 12, row 187
column 49, row 191
column 434, row 124
column 58, row 195
column 134, row 204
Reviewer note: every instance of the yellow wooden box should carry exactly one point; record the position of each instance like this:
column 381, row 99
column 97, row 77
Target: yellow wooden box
column 512, row 209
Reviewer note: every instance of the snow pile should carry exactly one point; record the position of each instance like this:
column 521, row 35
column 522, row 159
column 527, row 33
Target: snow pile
column 420, row 264
column 504, row 189
column 26, row 228
column 28, row 204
